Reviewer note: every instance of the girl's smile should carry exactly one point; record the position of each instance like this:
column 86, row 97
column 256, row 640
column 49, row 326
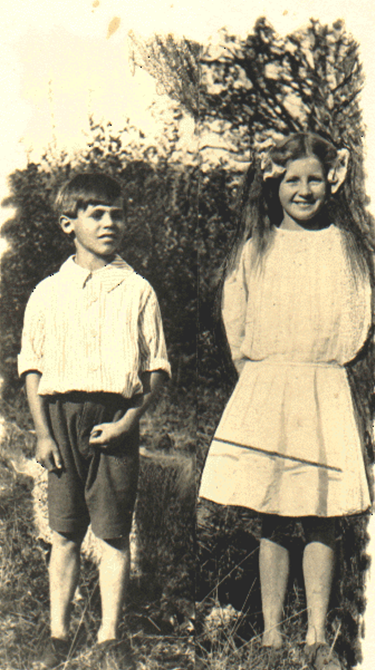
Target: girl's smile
column 302, row 193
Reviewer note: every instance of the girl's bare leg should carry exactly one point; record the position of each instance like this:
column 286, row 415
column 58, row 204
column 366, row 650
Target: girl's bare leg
column 318, row 564
column 274, row 571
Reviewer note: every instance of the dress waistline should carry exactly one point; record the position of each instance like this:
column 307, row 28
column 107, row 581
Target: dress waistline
column 278, row 361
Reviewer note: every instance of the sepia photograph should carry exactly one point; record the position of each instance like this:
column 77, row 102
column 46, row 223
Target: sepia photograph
column 187, row 277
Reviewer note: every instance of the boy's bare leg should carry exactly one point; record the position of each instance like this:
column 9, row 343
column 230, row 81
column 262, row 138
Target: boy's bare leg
column 114, row 571
column 274, row 571
column 318, row 563
column 63, row 577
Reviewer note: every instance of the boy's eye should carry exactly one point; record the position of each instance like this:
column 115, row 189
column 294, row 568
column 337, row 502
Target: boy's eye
column 117, row 216
column 97, row 214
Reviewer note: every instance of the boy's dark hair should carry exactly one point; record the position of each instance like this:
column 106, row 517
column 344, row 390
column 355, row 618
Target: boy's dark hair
column 86, row 188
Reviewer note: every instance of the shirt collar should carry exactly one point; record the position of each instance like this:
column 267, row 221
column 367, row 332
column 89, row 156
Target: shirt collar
column 109, row 276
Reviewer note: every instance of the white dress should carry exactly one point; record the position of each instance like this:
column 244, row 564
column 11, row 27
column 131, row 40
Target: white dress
column 288, row 441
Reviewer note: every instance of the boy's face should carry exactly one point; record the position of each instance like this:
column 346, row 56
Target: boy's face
column 98, row 230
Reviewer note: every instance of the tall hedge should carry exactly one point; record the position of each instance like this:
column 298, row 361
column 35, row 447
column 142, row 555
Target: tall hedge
column 161, row 198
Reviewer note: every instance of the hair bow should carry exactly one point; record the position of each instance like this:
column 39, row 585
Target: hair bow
column 337, row 174
column 270, row 169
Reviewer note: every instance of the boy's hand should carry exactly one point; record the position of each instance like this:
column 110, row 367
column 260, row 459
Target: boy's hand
column 48, row 455
column 108, row 434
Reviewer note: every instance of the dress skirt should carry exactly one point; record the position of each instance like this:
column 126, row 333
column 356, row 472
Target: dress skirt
column 288, row 443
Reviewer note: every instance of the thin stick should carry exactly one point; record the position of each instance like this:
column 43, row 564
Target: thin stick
column 334, row 641
column 228, row 575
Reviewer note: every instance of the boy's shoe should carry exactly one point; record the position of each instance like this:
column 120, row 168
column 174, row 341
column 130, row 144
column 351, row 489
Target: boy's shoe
column 270, row 657
column 322, row 657
column 55, row 654
column 115, row 655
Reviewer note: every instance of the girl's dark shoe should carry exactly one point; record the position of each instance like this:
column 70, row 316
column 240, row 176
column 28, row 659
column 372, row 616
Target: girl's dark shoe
column 115, row 654
column 55, row 654
column 322, row 657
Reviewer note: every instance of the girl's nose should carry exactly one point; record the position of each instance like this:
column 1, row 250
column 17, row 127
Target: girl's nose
column 305, row 187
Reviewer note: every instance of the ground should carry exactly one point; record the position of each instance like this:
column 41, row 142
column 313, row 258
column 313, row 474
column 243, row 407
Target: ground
column 221, row 631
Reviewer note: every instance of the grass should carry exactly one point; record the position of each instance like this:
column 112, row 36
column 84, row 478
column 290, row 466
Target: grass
column 228, row 541
column 222, row 631
column 159, row 609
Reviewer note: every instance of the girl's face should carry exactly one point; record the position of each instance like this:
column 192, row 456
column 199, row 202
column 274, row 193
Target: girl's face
column 302, row 193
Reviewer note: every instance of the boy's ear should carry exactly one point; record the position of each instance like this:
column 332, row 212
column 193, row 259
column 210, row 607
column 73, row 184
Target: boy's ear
column 66, row 225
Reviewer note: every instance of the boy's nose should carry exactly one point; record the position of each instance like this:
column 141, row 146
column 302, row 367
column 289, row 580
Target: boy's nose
column 108, row 220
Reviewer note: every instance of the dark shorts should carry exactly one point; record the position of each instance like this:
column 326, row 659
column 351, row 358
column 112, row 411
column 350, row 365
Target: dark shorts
column 96, row 486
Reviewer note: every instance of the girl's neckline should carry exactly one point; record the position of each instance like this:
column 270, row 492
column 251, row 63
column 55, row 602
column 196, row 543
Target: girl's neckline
column 304, row 231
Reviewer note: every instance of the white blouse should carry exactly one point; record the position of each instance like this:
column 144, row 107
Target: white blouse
column 301, row 303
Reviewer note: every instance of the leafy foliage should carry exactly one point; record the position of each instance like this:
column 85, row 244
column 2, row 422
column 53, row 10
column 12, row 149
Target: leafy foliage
column 310, row 79
column 174, row 64
column 161, row 200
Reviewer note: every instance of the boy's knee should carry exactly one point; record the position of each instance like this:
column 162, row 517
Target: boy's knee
column 67, row 540
column 119, row 543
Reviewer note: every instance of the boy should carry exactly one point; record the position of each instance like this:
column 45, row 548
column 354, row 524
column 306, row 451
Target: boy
column 93, row 355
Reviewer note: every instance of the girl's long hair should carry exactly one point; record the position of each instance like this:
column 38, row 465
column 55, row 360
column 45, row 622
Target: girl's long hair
column 259, row 211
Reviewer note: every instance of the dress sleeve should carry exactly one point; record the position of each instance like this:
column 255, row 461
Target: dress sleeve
column 33, row 335
column 234, row 305
column 153, row 351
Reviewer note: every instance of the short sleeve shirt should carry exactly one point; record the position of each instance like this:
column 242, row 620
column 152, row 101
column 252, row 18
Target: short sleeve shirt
column 93, row 331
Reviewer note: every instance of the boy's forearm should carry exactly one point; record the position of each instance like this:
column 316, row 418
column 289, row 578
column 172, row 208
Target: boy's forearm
column 106, row 434
column 36, row 404
column 151, row 381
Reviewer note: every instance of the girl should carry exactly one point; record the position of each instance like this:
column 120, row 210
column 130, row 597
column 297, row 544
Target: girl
column 296, row 309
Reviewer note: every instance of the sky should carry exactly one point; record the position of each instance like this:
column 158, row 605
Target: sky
column 64, row 59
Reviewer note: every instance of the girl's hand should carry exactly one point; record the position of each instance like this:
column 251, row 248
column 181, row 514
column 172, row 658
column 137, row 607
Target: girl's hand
column 48, row 455
column 106, row 435
column 239, row 365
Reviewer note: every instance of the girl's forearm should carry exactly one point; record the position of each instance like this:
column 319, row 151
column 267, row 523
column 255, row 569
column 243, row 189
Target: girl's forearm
column 36, row 404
